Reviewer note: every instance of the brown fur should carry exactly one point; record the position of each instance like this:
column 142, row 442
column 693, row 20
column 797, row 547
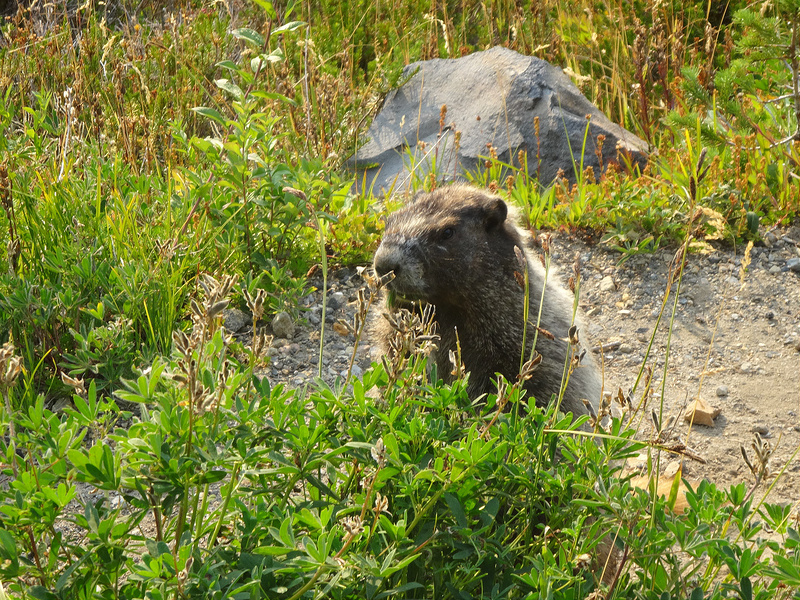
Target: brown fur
column 454, row 248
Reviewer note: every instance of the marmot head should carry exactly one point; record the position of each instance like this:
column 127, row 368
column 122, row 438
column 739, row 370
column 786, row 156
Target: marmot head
column 448, row 245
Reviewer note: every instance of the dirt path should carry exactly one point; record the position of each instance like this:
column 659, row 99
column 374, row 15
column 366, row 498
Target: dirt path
column 748, row 332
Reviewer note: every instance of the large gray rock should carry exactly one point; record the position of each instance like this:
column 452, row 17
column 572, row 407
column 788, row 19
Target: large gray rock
column 492, row 98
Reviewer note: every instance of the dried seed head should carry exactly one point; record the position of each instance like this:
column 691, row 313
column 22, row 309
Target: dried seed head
column 545, row 333
column 74, row 383
column 458, row 370
column 590, row 408
column 520, row 256
column 573, row 336
column 656, row 421
column 583, row 561
column 217, row 308
column 295, row 192
column 10, row 365
column 578, row 357
column 381, row 504
column 545, row 240
column 352, row 525
column 529, row 367
column 378, row 453
column 256, row 305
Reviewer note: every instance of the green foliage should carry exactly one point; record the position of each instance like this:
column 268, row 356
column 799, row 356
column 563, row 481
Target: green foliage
column 396, row 486
column 747, row 111
column 141, row 149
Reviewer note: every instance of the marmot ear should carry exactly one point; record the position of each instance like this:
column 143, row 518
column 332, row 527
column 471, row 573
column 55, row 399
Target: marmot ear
column 496, row 213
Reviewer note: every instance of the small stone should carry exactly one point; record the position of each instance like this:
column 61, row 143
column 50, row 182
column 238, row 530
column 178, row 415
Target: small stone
column 735, row 316
column 701, row 413
column 672, row 468
column 235, row 319
column 283, row 326
column 336, row 300
column 625, row 348
column 760, row 429
column 607, row 284
column 357, row 372
column 793, row 264
column 746, row 367
column 769, row 315
column 774, row 269
column 722, row 391
column 770, row 239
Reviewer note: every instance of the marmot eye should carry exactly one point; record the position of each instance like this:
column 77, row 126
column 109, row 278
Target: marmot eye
column 447, row 233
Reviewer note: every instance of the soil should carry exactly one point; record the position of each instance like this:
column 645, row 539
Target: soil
column 735, row 342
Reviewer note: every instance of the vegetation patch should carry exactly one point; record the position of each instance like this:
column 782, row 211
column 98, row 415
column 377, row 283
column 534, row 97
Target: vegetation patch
column 160, row 164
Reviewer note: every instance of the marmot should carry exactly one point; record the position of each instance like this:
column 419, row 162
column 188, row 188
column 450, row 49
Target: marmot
column 454, row 248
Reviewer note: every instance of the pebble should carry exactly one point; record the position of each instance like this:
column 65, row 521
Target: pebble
column 236, row 320
column 607, row 284
column 722, row 391
column 336, row 300
column 793, row 264
column 760, row 429
column 283, row 326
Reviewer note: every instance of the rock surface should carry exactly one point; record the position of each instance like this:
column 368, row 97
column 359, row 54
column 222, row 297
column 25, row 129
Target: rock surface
column 283, row 326
column 492, row 97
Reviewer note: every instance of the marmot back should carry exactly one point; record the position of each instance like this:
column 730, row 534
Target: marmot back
column 454, row 248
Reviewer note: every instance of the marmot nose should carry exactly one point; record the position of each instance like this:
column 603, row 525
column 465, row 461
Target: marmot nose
column 386, row 261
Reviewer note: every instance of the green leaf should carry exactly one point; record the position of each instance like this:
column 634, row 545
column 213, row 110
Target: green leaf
column 290, row 26
column 697, row 594
column 210, row 113
column 41, row 593
column 230, row 87
column 249, row 35
column 272, row 550
column 457, row 510
column 747, row 589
